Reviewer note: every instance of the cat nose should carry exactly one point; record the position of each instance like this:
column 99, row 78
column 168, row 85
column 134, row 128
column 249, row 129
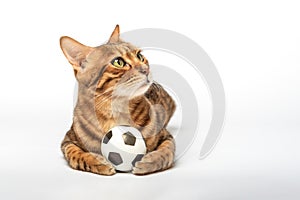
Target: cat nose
column 144, row 69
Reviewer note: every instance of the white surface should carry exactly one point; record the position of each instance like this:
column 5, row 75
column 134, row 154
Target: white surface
column 255, row 46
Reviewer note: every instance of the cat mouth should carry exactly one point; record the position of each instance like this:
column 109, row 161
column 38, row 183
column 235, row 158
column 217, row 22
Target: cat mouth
column 149, row 79
column 144, row 86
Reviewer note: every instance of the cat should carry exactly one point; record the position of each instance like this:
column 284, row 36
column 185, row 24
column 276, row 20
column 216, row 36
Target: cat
column 115, row 87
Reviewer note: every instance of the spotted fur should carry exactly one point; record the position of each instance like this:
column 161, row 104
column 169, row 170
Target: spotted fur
column 110, row 96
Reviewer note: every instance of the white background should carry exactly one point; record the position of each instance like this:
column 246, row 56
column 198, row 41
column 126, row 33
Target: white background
column 255, row 46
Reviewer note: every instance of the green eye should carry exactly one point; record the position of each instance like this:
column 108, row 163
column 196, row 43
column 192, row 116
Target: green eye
column 140, row 56
column 118, row 62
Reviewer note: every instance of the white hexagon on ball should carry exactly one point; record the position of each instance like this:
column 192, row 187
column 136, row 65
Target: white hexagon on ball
column 123, row 146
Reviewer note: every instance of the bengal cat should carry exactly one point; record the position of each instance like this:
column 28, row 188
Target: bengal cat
column 115, row 87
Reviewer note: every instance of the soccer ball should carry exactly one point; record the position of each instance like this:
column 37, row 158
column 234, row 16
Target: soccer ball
column 123, row 146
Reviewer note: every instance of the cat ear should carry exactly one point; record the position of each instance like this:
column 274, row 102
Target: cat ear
column 115, row 36
column 74, row 51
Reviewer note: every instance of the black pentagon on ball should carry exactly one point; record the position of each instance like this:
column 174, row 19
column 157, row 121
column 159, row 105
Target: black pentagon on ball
column 115, row 158
column 129, row 138
column 107, row 137
column 137, row 158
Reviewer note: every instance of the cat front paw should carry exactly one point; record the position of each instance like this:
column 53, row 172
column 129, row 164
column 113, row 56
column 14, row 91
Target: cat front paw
column 143, row 168
column 152, row 162
column 103, row 169
column 97, row 164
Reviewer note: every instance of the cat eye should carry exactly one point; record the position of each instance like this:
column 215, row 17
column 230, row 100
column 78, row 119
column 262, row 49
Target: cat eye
column 140, row 56
column 118, row 62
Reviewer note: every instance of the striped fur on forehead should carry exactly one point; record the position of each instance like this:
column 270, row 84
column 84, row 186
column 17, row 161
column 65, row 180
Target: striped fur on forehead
column 120, row 48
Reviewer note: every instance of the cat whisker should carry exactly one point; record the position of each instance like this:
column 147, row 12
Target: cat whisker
column 103, row 93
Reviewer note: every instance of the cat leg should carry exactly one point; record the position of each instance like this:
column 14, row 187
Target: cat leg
column 160, row 159
column 79, row 159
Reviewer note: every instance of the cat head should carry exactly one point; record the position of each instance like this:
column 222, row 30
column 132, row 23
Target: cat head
column 116, row 66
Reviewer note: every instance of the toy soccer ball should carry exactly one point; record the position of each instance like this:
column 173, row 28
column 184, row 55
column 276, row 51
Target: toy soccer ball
column 123, row 146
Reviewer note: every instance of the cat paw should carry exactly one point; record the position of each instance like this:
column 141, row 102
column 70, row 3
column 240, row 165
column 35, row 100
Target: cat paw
column 148, row 164
column 94, row 163
column 99, row 165
column 103, row 169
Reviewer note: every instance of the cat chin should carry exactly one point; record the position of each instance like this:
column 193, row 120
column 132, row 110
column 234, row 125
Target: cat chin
column 133, row 92
column 142, row 90
column 144, row 87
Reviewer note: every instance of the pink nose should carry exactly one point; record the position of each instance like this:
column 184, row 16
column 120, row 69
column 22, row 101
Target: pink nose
column 144, row 69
